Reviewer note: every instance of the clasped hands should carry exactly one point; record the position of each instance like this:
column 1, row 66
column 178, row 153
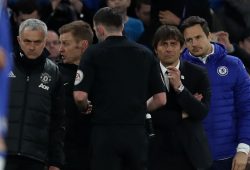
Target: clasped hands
column 174, row 75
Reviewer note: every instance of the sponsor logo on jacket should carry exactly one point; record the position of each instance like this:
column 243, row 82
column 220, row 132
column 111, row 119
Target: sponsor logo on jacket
column 45, row 79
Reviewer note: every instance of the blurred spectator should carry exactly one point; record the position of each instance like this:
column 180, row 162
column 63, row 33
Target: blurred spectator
column 244, row 42
column 92, row 6
column 40, row 2
column 234, row 17
column 133, row 28
column 233, row 48
column 62, row 14
column 82, row 11
column 25, row 9
column 242, row 7
column 53, row 45
column 43, row 5
column 142, row 11
column 216, row 4
column 22, row 10
column 172, row 13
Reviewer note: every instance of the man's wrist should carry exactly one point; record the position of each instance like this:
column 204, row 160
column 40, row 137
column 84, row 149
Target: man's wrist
column 180, row 88
column 242, row 147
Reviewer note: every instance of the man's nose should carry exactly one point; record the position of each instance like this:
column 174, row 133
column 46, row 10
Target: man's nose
column 195, row 42
column 61, row 48
column 32, row 46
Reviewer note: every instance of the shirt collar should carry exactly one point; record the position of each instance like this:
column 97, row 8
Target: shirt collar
column 204, row 59
column 164, row 69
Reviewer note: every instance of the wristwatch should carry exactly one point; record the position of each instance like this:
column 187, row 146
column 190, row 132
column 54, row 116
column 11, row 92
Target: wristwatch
column 180, row 88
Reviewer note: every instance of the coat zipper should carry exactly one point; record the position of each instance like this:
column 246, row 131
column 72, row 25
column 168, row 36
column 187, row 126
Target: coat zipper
column 23, row 112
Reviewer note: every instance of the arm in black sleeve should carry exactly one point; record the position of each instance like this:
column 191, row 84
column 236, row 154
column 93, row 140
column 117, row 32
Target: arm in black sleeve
column 57, row 127
column 196, row 109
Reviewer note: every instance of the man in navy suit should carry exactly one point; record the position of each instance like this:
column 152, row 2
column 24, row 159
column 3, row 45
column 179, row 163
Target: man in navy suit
column 179, row 142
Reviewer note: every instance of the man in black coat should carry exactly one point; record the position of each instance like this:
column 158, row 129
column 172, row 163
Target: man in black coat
column 75, row 37
column 179, row 142
column 36, row 118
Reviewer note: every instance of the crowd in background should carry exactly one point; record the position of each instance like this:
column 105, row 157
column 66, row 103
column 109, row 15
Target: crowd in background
column 218, row 13
column 143, row 17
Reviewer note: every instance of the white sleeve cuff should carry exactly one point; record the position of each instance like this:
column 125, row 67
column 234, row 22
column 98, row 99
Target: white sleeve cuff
column 242, row 147
column 2, row 162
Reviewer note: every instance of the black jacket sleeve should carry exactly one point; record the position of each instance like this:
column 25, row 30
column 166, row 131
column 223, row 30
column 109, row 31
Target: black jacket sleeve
column 57, row 126
column 195, row 109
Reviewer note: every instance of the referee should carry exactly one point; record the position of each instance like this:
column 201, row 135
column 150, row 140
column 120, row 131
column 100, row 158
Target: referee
column 117, row 76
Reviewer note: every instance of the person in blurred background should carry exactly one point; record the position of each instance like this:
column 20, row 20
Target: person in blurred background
column 133, row 27
column 53, row 45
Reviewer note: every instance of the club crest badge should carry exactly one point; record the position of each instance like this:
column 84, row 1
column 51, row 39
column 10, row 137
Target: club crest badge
column 222, row 70
column 45, row 78
column 79, row 77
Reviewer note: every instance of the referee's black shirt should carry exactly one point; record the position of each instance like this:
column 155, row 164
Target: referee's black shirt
column 118, row 76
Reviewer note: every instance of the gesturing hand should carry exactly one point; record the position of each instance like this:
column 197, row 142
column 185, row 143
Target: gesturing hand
column 167, row 17
column 174, row 76
column 239, row 161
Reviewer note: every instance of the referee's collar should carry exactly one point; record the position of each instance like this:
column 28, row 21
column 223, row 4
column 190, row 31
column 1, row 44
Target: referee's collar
column 112, row 37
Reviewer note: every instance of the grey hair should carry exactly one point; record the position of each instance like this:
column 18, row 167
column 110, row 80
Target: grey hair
column 33, row 24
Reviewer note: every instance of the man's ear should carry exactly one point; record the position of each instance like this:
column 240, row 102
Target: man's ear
column 155, row 51
column 18, row 39
column 84, row 44
column 210, row 36
column 100, row 29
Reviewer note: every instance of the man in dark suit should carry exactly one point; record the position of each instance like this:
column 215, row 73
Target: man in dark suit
column 179, row 142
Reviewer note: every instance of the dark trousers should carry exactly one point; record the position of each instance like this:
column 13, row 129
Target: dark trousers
column 23, row 163
column 225, row 164
column 77, row 159
column 119, row 147
column 166, row 152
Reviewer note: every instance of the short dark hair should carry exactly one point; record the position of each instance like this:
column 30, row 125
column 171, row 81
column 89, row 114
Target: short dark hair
column 194, row 20
column 79, row 29
column 109, row 17
column 167, row 32
column 139, row 3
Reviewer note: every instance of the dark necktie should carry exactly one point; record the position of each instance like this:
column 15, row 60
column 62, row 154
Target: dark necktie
column 166, row 79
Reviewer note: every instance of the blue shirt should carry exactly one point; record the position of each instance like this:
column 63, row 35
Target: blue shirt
column 133, row 28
